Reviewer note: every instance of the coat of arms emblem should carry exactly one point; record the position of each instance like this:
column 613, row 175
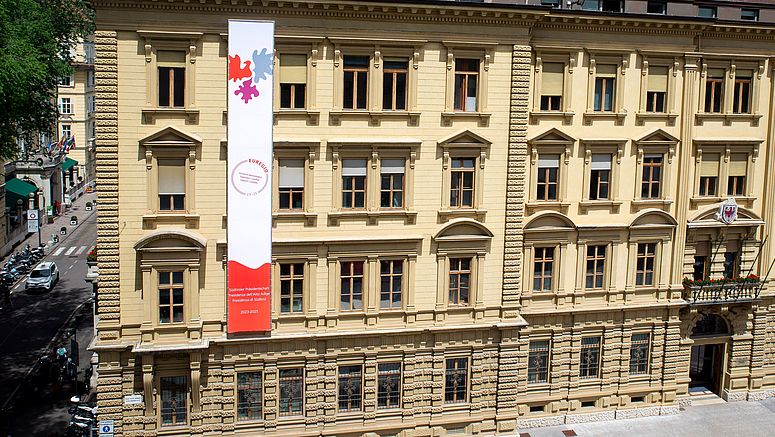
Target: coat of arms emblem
column 727, row 212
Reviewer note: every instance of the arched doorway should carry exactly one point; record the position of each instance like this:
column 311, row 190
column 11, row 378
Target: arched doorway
column 706, row 365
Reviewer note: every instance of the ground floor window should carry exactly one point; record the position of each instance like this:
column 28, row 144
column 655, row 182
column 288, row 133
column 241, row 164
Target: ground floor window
column 249, row 396
column 174, row 392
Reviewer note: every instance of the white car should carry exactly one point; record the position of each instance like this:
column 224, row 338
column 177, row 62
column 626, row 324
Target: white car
column 44, row 276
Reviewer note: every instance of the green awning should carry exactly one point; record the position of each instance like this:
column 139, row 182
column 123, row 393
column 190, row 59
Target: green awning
column 16, row 189
column 68, row 164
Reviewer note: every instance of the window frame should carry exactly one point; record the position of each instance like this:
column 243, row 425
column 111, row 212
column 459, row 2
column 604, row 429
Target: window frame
column 638, row 364
column 292, row 278
column 389, row 374
column 280, row 51
column 238, row 398
column 172, row 209
column 170, row 304
column 394, row 73
column 391, row 274
column 479, row 51
column 551, row 55
column 731, row 71
column 158, row 146
column 167, row 43
column 365, row 281
column 615, row 149
column 725, row 152
column 547, row 352
column 560, row 147
column 621, row 62
column 462, row 104
column 551, row 260
column 664, row 147
column 754, row 17
column 453, row 371
column 461, row 146
column 160, row 402
column 647, row 62
column 300, row 378
column 360, row 396
column 292, row 150
column 656, row 260
column 456, row 262
column 68, row 103
column 603, row 272
column 588, row 375
column 712, row 9
column 357, row 71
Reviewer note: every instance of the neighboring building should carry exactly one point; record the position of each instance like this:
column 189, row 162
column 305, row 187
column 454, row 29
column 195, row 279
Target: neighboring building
column 76, row 99
column 477, row 208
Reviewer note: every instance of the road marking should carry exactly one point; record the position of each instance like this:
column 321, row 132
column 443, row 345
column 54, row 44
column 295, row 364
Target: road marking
column 80, row 250
column 58, row 251
column 71, row 250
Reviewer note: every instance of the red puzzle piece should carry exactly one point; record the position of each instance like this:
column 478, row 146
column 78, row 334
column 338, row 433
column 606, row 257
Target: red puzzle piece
column 236, row 70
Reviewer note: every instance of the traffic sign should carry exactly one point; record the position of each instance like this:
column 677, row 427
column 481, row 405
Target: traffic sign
column 106, row 428
column 32, row 214
column 32, row 225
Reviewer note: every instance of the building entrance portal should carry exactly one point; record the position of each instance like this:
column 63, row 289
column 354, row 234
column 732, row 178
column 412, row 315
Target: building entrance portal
column 705, row 367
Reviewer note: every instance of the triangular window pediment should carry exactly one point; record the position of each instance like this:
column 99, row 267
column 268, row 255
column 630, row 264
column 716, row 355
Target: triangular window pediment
column 657, row 137
column 553, row 136
column 171, row 137
column 465, row 139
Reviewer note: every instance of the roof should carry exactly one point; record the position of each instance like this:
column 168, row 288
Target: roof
column 16, row 189
column 68, row 164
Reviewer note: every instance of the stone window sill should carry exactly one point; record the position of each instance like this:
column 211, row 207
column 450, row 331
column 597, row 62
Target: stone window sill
column 727, row 118
column 667, row 117
column 566, row 116
column 536, row 205
column 483, row 118
column 309, row 218
column 696, row 201
column 312, row 115
column 618, row 117
column 150, row 221
column 475, row 213
column 372, row 217
column 611, row 205
column 150, row 115
column 652, row 203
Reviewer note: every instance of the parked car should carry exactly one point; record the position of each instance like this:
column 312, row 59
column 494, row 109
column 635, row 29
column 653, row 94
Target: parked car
column 44, row 276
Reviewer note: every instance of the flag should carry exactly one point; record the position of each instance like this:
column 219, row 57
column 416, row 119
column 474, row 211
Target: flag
column 69, row 143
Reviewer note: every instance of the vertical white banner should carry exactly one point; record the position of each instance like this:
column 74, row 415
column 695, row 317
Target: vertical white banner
column 249, row 208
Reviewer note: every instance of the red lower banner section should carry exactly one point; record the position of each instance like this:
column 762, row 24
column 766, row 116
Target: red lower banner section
column 249, row 298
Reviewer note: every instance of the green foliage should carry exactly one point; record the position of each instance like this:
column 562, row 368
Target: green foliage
column 35, row 41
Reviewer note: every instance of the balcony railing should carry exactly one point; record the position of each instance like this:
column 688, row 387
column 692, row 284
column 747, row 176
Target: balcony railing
column 722, row 291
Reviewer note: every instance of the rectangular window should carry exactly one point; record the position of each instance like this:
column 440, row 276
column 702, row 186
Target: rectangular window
column 462, row 183
column 714, row 90
column 174, row 400
column 731, row 265
column 548, row 172
column 90, row 78
column 350, row 388
column 292, row 288
column 749, row 14
column 707, row 11
column 291, row 391
column 646, row 259
column 741, row 101
column 391, row 192
column 543, row 268
column 172, row 184
column 250, row 396
column 600, row 177
column 639, row 354
column 171, row 77
column 701, row 267
column 552, row 3
column 656, row 7
column 389, row 385
column 456, row 381
column 466, row 81
column 91, row 104
column 66, row 81
column 291, row 184
column 459, row 280
column 351, row 290
column 589, row 361
column 66, row 106
column 394, row 84
column 652, row 177
column 391, row 280
column 538, row 362
column 170, row 297
column 612, row 6
column 595, row 277
column 738, row 168
column 709, row 174
column 656, row 91
column 605, row 87
column 356, row 82
column 293, row 81
column 67, row 131
column 552, row 79
column 354, row 183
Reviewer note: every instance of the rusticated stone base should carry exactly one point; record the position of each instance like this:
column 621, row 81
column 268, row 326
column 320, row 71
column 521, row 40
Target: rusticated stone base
column 631, row 413
column 634, row 413
column 590, row 417
column 669, row 410
column 540, row 422
column 760, row 395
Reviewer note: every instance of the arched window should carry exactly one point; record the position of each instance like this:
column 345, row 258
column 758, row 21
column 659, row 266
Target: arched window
column 710, row 325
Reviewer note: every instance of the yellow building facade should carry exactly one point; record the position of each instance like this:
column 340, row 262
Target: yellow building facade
column 476, row 212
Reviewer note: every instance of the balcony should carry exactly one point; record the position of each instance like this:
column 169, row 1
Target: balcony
column 715, row 291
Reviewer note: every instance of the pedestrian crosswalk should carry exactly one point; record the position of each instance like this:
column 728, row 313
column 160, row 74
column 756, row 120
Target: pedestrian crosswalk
column 69, row 251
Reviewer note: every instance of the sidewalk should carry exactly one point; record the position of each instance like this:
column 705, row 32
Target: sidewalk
column 739, row 419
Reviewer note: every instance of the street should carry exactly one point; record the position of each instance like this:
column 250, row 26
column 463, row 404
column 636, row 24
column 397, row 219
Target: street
column 37, row 317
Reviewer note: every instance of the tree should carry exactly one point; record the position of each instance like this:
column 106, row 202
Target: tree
column 36, row 37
